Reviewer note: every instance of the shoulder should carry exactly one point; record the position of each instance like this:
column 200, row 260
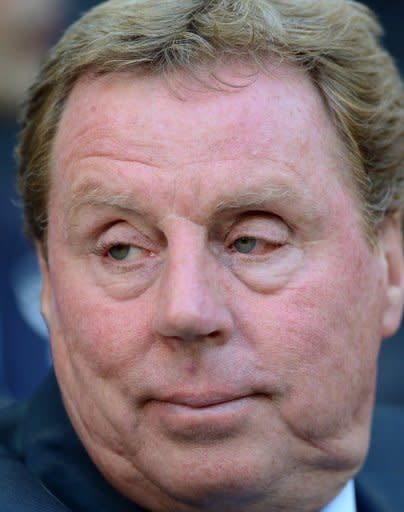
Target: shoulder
column 380, row 484
column 20, row 490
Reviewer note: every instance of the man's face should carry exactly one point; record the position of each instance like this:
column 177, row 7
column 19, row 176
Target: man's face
column 214, row 308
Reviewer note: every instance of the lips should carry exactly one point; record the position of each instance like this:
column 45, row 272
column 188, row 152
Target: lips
column 199, row 401
column 202, row 418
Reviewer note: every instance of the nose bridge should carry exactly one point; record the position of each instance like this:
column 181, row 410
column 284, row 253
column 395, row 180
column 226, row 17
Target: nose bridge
column 190, row 303
column 186, row 269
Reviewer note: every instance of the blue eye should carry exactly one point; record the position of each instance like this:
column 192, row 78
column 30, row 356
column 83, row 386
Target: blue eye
column 245, row 244
column 121, row 252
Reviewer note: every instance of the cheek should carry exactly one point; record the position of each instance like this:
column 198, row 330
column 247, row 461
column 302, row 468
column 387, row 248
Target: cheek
column 323, row 337
column 105, row 336
column 96, row 347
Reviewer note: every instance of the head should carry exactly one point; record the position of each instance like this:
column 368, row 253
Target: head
column 214, row 190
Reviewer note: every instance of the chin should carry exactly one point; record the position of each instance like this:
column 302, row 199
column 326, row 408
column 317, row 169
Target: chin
column 217, row 489
column 220, row 476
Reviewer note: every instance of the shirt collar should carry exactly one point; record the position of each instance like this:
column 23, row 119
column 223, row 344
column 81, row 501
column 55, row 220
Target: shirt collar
column 344, row 501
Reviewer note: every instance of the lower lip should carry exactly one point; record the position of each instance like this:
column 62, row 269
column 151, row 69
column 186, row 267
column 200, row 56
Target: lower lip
column 203, row 423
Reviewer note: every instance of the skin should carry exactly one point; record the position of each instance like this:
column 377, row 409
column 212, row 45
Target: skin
column 214, row 308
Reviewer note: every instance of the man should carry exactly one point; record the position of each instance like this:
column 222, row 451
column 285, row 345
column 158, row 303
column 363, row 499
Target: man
column 214, row 192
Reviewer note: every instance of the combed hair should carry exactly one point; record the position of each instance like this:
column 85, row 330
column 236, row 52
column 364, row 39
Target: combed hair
column 337, row 42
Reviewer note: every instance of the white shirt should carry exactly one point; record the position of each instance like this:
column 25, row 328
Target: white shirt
column 344, row 502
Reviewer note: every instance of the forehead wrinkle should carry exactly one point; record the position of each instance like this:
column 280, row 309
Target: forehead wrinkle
column 114, row 148
column 104, row 138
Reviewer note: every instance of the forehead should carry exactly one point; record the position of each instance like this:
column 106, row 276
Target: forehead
column 123, row 102
column 144, row 128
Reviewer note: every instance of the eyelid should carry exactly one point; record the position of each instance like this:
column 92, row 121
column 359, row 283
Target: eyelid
column 117, row 229
column 275, row 229
column 103, row 246
column 123, row 233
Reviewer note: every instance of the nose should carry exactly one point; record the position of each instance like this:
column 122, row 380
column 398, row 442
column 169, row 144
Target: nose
column 191, row 304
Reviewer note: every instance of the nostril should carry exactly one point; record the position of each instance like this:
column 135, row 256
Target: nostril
column 215, row 335
column 218, row 337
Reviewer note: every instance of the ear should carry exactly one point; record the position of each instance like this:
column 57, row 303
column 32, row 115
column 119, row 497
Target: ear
column 391, row 249
column 46, row 292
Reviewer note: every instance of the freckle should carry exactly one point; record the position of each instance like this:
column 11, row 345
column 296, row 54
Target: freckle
column 192, row 369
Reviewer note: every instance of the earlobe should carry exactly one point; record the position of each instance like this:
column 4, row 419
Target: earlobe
column 391, row 248
column 46, row 288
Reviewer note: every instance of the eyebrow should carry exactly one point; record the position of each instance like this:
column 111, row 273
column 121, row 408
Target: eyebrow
column 256, row 199
column 92, row 193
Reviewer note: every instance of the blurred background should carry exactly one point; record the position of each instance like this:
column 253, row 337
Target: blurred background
column 27, row 29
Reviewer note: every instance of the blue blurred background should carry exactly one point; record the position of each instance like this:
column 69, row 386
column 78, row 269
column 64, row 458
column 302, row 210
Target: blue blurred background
column 27, row 29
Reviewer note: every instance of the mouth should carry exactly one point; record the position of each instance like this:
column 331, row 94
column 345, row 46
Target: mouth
column 209, row 417
column 195, row 401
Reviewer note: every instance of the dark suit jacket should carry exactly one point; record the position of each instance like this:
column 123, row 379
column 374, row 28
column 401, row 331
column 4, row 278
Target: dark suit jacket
column 44, row 467
column 380, row 484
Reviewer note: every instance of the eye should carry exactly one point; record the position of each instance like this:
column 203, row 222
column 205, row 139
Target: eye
column 124, row 252
column 245, row 244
